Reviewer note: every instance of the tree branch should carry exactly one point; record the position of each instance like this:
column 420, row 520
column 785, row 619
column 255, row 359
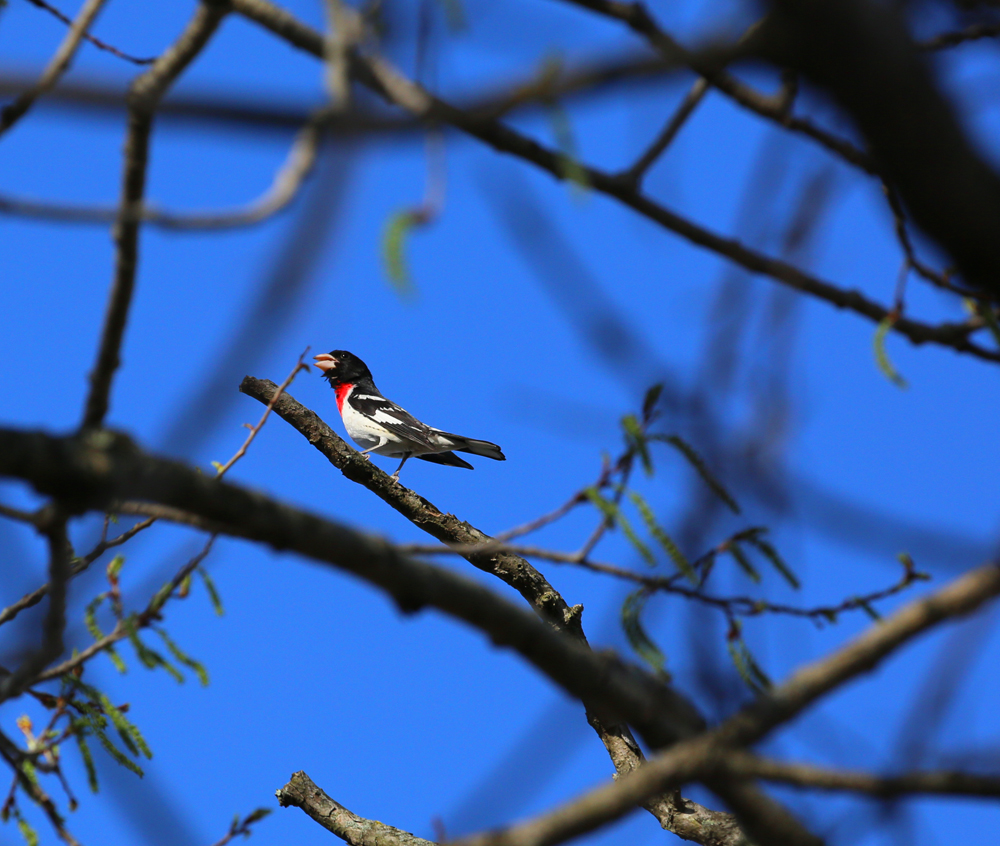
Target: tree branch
column 942, row 783
column 143, row 97
column 478, row 548
column 301, row 792
column 13, row 112
column 60, row 551
column 379, row 75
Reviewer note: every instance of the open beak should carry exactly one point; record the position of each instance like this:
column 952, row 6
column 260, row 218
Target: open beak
column 325, row 362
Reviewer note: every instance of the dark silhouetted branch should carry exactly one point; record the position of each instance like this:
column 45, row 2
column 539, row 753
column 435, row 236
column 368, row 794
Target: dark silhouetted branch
column 56, row 67
column 144, row 96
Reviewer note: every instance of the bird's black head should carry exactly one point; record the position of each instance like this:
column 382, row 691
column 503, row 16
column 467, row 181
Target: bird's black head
column 342, row 367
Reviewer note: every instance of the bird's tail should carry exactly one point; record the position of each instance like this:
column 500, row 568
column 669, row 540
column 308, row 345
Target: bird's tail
column 448, row 458
column 471, row 445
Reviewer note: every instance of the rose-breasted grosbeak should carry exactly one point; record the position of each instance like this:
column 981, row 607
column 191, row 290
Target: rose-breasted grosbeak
column 382, row 427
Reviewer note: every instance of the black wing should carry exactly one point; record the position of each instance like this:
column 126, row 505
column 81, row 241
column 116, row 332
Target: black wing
column 397, row 420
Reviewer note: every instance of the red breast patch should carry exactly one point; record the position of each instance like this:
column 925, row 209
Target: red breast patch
column 343, row 389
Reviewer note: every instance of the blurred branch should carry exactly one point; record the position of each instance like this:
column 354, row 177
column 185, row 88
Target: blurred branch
column 705, row 757
column 690, row 102
column 100, row 45
column 862, row 54
column 287, row 182
column 953, row 39
column 53, row 526
column 956, row 599
column 589, row 77
column 391, row 84
column 301, row 792
column 143, row 98
column 93, row 469
column 773, row 108
column 946, row 783
column 56, row 67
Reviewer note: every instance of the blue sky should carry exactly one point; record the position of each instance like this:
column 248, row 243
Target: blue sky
column 415, row 719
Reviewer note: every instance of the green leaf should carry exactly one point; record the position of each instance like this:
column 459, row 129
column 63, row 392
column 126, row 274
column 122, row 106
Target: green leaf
column 116, row 753
column 131, row 736
column 29, row 772
column 186, row 660
column 256, row 816
column 150, row 657
column 638, row 639
column 397, row 231
column 24, row 827
column 665, row 541
column 747, row 666
column 161, row 596
column 115, row 566
column 882, row 357
column 79, row 734
column 635, row 438
column 615, row 517
column 771, row 554
column 213, row 593
column 740, row 557
column 90, row 616
column 116, row 659
column 699, row 465
column 650, row 400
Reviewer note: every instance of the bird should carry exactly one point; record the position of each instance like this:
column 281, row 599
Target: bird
column 382, row 427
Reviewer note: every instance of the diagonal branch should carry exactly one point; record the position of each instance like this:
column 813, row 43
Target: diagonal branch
column 479, row 549
column 13, row 112
column 302, row 792
column 382, row 77
column 143, row 98
column 91, row 470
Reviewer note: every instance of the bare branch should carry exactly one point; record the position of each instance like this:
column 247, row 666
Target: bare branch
column 60, row 551
column 962, row 596
column 100, row 45
column 953, row 39
column 301, row 792
column 690, row 102
column 942, row 783
column 395, row 87
column 477, row 548
column 301, row 365
column 56, row 67
column 99, row 468
column 144, row 96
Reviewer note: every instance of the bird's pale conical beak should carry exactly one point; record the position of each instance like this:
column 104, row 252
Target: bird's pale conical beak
column 325, row 362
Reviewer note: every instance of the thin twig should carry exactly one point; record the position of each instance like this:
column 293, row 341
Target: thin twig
column 300, row 365
column 56, row 67
column 690, row 102
column 54, row 624
column 123, row 629
column 378, row 74
column 100, row 45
